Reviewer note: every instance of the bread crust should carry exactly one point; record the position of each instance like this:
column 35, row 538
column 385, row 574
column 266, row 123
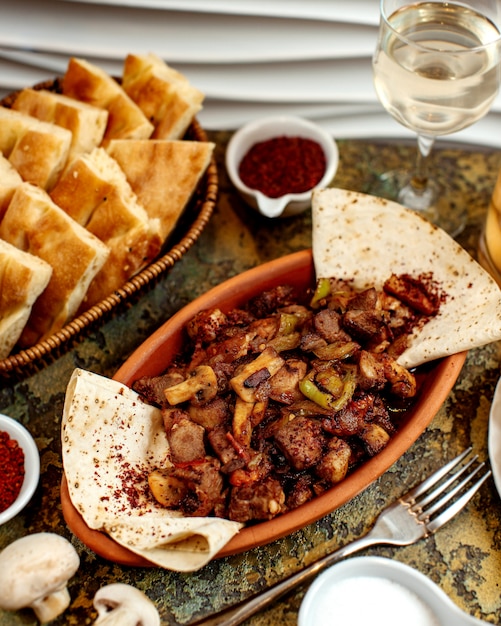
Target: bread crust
column 163, row 174
column 23, row 277
column 88, row 83
column 35, row 224
column 109, row 209
column 86, row 123
column 164, row 95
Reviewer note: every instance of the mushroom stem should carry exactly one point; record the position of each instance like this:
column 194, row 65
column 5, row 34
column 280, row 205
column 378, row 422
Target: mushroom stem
column 52, row 605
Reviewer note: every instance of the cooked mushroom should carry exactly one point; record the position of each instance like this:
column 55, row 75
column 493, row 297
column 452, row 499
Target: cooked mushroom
column 34, row 572
column 119, row 604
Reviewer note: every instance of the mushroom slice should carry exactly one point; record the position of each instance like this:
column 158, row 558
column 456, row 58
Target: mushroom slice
column 34, row 573
column 119, row 604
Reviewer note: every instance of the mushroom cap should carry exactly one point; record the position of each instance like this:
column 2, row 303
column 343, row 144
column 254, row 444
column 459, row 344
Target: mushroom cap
column 130, row 605
column 35, row 566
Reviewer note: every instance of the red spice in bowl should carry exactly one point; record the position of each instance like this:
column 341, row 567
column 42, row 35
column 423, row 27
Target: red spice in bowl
column 19, row 467
column 283, row 165
column 11, row 470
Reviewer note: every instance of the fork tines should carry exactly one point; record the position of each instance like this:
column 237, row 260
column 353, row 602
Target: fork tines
column 455, row 480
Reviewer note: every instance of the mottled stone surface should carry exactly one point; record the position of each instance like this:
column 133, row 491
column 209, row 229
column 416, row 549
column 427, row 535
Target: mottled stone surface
column 464, row 558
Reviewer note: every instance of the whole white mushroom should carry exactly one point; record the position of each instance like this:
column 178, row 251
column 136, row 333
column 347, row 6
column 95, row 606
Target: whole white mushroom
column 119, row 604
column 34, row 572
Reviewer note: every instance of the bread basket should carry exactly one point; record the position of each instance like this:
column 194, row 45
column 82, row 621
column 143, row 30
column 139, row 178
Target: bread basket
column 193, row 221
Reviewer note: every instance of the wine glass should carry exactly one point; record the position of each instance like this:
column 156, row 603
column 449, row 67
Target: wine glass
column 436, row 71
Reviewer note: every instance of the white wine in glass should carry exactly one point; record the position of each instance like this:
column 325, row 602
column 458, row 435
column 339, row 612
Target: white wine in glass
column 436, row 71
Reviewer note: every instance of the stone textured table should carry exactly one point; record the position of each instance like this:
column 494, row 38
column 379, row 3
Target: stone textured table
column 464, row 558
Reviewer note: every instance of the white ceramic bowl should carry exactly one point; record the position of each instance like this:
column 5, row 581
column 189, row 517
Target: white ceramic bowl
column 268, row 128
column 378, row 591
column 17, row 431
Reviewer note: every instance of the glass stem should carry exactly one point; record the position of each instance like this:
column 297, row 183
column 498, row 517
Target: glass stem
column 419, row 180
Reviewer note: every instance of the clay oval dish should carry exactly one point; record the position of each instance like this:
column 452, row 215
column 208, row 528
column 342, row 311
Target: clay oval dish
column 152, row 357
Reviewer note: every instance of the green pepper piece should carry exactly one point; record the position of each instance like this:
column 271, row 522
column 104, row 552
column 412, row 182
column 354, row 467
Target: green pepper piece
column 322, row 290
column 336, row 351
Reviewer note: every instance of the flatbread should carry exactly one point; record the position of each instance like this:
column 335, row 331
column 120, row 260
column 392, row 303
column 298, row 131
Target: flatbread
column 23, row 277
column 86, row 123
column 163, row 174
column 10, row 180
column 35, row 224
column 365, row 239
column 37, row 150
column 89, row 83
column 96, row 411
column 164, row 95
column 94, row 192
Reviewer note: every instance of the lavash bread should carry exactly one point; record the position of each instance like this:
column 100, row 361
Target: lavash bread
column 108, row 208
column 163, row 174
column 9, row 181
column 164, row 95
column 37, row 150
column 35, row 224
column 23, row 277
column 86, row 82
column 86, row 123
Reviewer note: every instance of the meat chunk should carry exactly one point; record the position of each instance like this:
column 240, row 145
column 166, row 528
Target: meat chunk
column 334, row 465
column 284, row 385
column 328, row 325
column 186, row 439
column 257, row 500
column 152, row 388
column 301, row 441
column 210, row 415
column 195, row 489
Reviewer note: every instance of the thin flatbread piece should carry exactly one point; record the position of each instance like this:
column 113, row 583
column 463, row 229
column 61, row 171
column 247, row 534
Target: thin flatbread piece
column 365, row 240
column 101, row 493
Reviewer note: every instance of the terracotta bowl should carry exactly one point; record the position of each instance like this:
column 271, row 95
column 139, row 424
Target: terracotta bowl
column 152, row 357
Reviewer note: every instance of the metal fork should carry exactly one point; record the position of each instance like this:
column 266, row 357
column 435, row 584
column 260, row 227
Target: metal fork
column 417, row 514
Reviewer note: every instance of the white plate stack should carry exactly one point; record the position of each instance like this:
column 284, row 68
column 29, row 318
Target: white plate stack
column 251, row 58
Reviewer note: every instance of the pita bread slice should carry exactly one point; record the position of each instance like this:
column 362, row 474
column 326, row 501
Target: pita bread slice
column 94, row 191
column 86, row 123
column 163, row 174
column 164, row 95
column 37, row 150
column 35, row 224
column 365, row 239
column 23, row 277
column 105, row 420
column 88, row 83
column 9, row 181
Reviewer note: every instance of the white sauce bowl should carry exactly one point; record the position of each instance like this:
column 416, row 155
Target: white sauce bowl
column 18, row 432
column 379, row 592
column 268, row 128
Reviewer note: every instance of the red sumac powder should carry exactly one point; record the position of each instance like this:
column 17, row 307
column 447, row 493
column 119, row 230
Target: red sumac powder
column 283, row 165
column 11, row 470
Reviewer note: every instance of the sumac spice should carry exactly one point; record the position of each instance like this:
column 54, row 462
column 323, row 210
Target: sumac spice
column 283, row 165
column 11, row 470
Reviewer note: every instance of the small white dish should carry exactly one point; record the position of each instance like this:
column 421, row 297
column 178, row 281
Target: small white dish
column 268, row 128
column 18, row 432
column 378, row 591
column 494, row 438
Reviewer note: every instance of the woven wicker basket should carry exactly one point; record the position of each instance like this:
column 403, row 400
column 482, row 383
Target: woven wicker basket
column 192, row 223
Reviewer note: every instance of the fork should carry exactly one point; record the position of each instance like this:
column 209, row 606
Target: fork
column 416, row 515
